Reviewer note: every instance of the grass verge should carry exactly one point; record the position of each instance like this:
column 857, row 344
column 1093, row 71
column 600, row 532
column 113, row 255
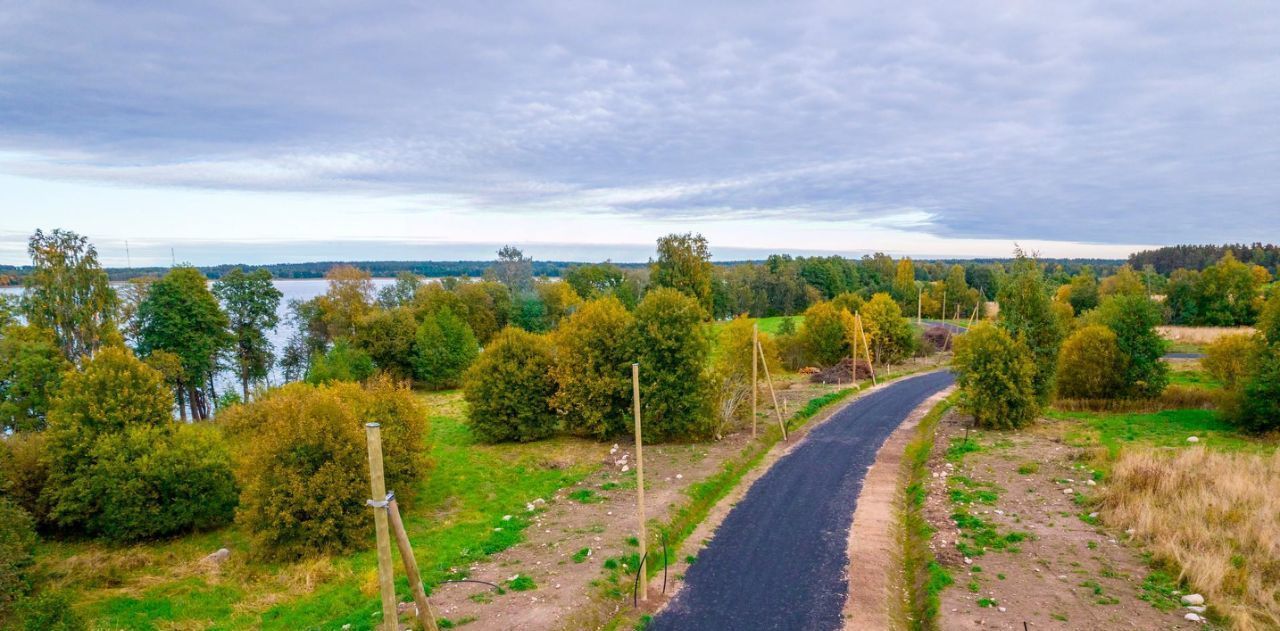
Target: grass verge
column 923, row 578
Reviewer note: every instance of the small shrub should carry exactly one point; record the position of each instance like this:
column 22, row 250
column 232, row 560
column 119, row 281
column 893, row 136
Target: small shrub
column 996, row 376
column 509, row 389
column 17, row 546
column 445, row 347
column 302, row 462
column 343, row 362
column 47, row 612
column 1090, row 365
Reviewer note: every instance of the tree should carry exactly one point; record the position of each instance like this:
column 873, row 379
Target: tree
column 1125, row 282
column 342, row 362
column 119, row 467
column 848, row 301
column 959, row 293
column 684, row 264
column 513, row 269
column 444, row 348
column 595, row 348
column 181, row 316
column 904, row 283
column 487, row 307
column 387, row 336
column 67, row 292
column 348, row 299
column 1026, row 312
column 17, row 554
column 31, row 367
column 1228, row 358
column 1269, row 318
column 509, row 389
column 1260, row 397
column 1082, row 291
column 401, row 292
column 252, row 303
column 595, row 281
column 889, row 333
column 1134, row 319
column 673, row 350
column 1091, row 366
column 825, row 334
column 1228, row 294
column 558, row 300
column 996, row 376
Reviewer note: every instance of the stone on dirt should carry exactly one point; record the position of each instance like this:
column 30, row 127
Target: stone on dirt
column 1193, row 599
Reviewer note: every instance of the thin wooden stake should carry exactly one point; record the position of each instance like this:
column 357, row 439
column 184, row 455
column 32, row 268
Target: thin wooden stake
column 426, row 616
column 755, row 379
column 920, row 306
column 635, row 397
column 866, row 347
column 769, row 380
column 378, row 486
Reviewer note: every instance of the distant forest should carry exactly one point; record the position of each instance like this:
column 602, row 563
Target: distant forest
column 11, row 275
column 1198, row 257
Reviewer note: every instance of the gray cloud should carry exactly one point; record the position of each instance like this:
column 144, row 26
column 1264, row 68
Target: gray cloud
column 1101, row 122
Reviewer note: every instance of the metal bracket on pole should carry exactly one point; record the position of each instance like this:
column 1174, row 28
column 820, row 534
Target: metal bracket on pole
column 391, row 495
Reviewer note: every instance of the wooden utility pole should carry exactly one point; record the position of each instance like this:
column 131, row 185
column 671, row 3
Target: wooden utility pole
column 426, row 617
column 769, row 380
column 755, row 380
column 378, row 486
column 920, row 306
column 866, row 347
column 644, row 548
column 944, row 302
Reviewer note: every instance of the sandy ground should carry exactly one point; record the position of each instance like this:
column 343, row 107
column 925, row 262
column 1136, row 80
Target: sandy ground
column 1068, row 574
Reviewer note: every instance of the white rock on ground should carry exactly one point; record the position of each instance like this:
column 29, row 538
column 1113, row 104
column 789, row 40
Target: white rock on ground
column 1193, row 617
column 1197, row 608
column 1193, row 599
column 1193, row 439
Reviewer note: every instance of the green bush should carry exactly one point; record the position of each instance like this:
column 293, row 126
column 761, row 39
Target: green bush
column 47, row 612
column 825, row 334
column 387, row 336
column 1091, row 366
column 1269, row 318
column 595, row 348
column 342, row 362
column 119, row 467
column 888, row 332
column 17, row 547
column 445, row 347
column 31, row 367
column 1134, row 319
column 24, row 471
column 302, row 462
column 1027, row 313
column 673, row 348
column 151, row 481
column 1228, row 358
column 996, row 375
column 509, row 389
column 1260, row 396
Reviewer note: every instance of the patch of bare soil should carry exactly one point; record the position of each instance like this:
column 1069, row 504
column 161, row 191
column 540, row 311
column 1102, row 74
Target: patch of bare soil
column 577, row 529
column 1067, row 573
column 872, row 540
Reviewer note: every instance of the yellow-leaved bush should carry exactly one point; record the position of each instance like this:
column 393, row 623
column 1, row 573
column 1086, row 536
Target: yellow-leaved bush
column 302, row 462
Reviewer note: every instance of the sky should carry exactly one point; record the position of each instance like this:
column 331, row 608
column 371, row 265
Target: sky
column 258, row 131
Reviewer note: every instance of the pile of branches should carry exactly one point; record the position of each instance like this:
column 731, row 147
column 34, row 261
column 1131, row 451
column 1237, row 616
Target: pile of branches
column 842, row 372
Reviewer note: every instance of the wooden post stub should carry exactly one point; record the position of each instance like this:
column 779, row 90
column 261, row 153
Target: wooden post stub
column 378, row 486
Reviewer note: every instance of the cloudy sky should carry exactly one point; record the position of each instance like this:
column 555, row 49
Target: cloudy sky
column 257, row 131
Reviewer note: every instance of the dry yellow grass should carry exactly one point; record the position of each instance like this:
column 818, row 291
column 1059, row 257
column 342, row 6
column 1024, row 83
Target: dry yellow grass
column 1200, row 334
column 1216, row 516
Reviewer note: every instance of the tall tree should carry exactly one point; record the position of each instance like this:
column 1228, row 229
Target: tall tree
column 180, row 315
column 904, row 283
column 513, row 269
column 684, row 264
column 348, row 299
column 68, row 293
column 252, row 304
column 1026, row 312
column 31, row 367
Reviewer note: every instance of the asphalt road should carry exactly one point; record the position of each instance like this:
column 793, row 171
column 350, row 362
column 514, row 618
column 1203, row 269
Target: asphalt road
column 778, row 560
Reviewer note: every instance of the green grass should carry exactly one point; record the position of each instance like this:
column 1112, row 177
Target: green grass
column 922, row 576
column 521, row 583
column 770, row 325
column 1194, row 379
column 1159, row 429
column 586, row 496
column 455, row 520
column 581, row 555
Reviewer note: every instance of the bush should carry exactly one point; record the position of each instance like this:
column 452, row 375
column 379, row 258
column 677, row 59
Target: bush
column 1027, row 313
column 119, row 467
column 1260, row 396
column 996, row 376
column 509, row 389
column 1090, row 365
column 343, row 362
column 1134, row 319
column 731, row 370
column 594, row 350
column 825, row 334
column 889, row 333
column 387, row 336
column 1269, row 318
column 47, row 612
column 31, row 367
column 445, row 347
column 17, row 547
column 1228, row 357
column 24, row 471
column 673, row 349
column 302, row 462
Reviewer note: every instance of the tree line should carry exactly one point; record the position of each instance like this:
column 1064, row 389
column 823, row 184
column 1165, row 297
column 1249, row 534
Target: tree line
column 1197, row 257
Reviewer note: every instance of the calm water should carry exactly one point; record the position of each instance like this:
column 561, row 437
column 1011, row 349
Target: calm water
column 301, row 289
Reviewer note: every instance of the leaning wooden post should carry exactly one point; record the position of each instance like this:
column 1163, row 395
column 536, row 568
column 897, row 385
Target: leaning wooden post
column 378, row 486
column 644, row 548
column 769, row 380
column 866, row 348
column 755, row 379
column 426, row 616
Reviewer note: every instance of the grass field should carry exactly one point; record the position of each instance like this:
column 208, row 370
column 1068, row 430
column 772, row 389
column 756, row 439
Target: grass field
column 455, row 520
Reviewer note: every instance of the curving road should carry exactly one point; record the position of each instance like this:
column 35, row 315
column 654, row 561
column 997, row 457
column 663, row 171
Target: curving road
column 778, row 560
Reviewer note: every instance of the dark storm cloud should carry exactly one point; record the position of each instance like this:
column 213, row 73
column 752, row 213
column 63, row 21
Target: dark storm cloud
column 1107, row 122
